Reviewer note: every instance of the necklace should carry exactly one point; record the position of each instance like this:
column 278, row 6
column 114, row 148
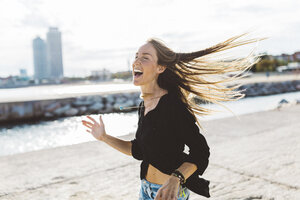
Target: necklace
column 126, row 108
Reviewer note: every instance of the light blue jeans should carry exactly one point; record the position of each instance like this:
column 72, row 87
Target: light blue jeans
column 149, row 190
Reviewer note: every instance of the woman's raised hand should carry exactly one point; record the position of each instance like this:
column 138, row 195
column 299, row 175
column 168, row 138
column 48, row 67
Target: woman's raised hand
column 95, row 128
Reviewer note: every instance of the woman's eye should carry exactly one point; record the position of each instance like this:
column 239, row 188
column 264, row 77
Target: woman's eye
column 144, row 58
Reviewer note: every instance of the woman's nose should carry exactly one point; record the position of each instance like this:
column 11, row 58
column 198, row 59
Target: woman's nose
column 136, row 62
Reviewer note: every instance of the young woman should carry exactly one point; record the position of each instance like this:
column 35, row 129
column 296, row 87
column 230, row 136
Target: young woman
column 167, row 115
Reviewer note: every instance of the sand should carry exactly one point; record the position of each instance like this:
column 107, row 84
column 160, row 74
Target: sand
column 254, row 157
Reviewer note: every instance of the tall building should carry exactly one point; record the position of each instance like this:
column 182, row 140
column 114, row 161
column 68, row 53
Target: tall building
column 40, row 59
column 54, row 53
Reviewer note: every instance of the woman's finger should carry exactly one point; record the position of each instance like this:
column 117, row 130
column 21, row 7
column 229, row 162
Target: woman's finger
column 100, row 117
column 172, row 197
column 158, row 195
column 91, row 119
column 86, row 122
column 87, row 126
column 88, row 131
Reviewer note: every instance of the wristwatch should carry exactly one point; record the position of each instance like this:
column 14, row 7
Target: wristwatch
column 179, row 175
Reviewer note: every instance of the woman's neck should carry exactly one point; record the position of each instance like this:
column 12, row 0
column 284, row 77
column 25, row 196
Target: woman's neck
column 149, row 92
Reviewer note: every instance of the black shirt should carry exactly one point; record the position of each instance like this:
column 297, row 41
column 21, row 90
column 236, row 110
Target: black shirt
column 160, row 139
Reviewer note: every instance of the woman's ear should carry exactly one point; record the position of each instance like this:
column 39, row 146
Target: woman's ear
column 161, row 68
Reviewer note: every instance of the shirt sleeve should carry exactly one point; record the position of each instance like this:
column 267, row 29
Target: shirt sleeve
column 190, row 134
column 136, row 151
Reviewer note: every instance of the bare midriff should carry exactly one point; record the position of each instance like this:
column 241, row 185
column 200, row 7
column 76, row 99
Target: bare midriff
column 155, row 176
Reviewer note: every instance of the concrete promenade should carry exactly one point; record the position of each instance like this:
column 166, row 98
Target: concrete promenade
column 256, row 157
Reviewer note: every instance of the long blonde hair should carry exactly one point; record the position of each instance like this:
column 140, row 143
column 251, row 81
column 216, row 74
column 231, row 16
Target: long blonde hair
column 202, row 73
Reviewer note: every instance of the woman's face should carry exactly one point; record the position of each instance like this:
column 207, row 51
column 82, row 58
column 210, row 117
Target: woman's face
column 145, row 69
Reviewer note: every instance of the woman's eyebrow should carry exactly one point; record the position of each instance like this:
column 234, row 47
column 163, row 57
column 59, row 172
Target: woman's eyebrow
column 145, row 54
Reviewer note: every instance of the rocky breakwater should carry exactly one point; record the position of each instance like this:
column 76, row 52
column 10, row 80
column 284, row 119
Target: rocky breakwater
column 266, row 88
column 270, row 88
column 108, row 103
column 52, row 109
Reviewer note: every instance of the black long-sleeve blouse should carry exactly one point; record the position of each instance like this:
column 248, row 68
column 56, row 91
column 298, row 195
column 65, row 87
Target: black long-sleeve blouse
column 161, row 137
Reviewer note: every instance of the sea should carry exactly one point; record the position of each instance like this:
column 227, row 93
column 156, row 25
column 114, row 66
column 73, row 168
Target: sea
column 35, row 136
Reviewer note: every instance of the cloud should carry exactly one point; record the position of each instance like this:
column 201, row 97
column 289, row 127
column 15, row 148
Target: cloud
column 36, row 21
column 106, row 33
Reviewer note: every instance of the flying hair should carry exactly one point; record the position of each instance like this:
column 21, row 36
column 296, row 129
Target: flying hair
column 204, row 74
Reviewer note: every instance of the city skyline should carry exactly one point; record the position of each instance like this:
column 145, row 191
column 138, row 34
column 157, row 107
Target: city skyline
column 47, row 56
column 98, row 35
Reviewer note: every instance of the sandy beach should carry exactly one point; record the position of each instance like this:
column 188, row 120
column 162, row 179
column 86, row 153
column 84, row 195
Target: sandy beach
column 254, row 157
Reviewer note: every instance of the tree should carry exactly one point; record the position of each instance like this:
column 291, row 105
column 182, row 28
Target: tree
column 265, row 65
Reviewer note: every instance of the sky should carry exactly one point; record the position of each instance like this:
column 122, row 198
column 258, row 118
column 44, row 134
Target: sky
column 100, row 34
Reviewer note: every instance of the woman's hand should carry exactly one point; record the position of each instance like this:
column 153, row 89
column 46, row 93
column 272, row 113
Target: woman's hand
column 95, row 128
column 169, row 189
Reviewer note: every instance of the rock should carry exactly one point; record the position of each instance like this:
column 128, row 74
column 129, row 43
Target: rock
column 121, row 99
column 96, row 107
column 137, row 101
column 21, row 110
column 82, row 102
column 71, row 112
column 108, row 99
column 129, row 96
column 116, row 107
column 264, row 91
column 82, row 109
column 48, row 115
column 283, row 101
column 275, row 90
column 62, row 110
column 108, row 108
column 97, row 99
column 261, row 89
column 52, row 107
column 135, row 95
column 198, row 100
column 128, row 103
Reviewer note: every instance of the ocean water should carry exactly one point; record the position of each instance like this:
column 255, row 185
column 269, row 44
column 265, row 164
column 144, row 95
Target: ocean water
column 68, row 131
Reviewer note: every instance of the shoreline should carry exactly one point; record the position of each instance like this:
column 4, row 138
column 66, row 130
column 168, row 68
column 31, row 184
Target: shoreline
column 112, row 102
column 256, row 156
column 17, row 138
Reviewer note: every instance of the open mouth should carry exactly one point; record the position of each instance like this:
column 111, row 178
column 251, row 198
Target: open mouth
column 138, row 74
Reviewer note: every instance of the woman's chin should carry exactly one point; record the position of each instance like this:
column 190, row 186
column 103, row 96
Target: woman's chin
column 136, row 83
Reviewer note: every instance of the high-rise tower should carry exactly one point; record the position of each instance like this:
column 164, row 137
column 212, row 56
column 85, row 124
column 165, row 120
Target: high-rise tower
column 54, row 53
column 40, row 59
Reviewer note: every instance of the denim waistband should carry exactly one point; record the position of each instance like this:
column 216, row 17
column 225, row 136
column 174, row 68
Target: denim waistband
column 145, row 182
column 151, row 189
